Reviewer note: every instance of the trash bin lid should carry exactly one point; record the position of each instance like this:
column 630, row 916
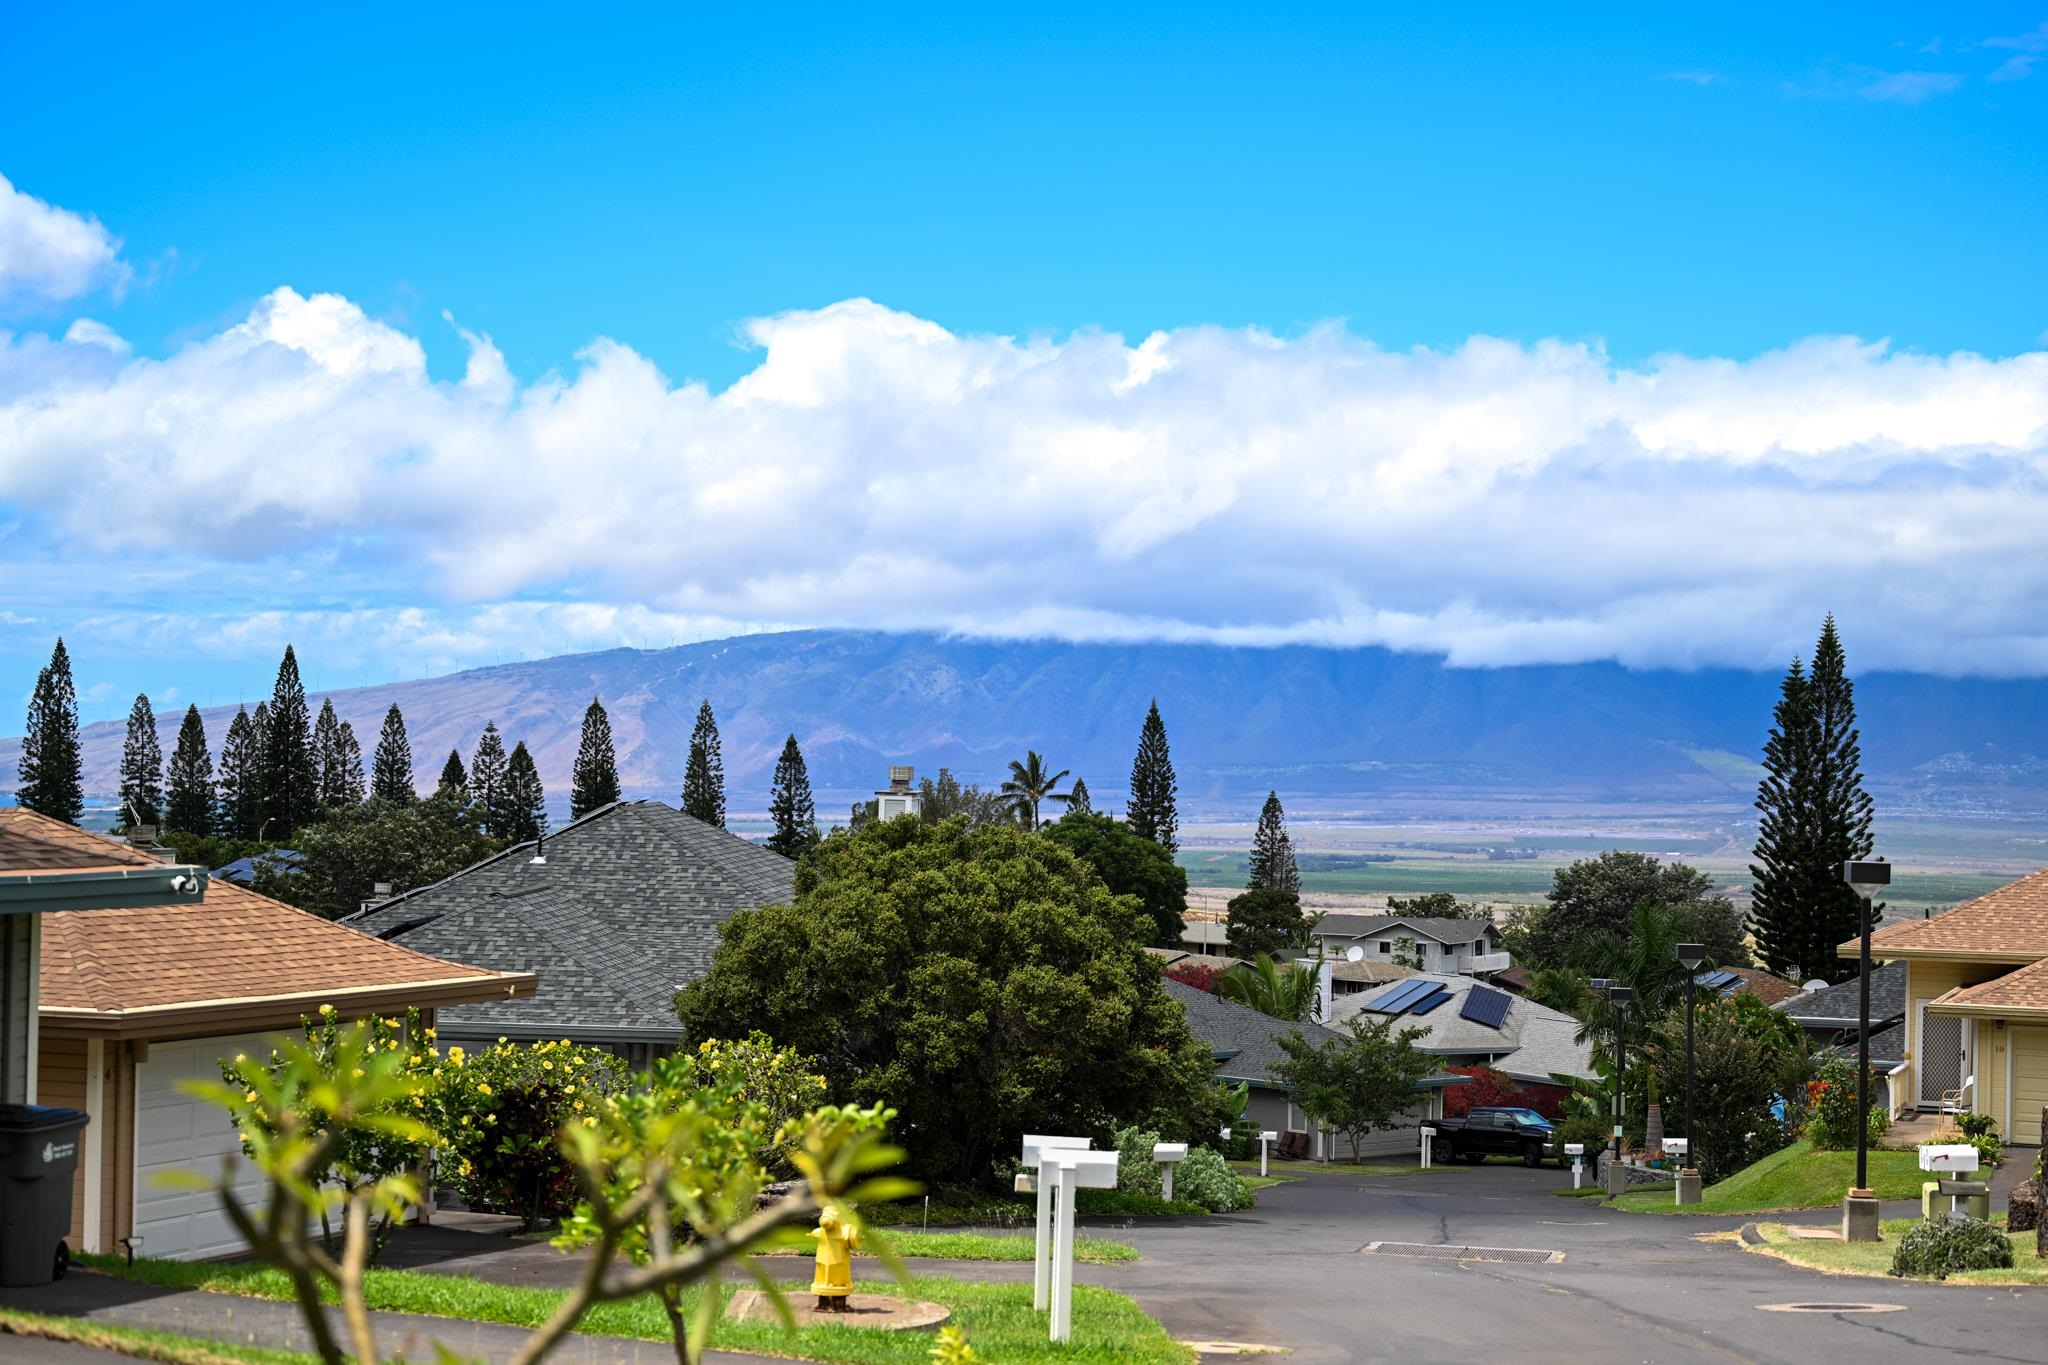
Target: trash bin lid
column 33, row 1118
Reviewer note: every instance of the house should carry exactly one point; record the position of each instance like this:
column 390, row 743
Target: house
column 1767, row 988
column 1975, row 1006
column 615, row 912
column 1246, row 1047
column 137, row 999
column 1426, row 944
column 1466, row 1022
column 1830, row 1016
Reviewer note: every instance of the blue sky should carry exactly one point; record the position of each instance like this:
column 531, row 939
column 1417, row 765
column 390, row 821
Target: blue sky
column 1612, row 187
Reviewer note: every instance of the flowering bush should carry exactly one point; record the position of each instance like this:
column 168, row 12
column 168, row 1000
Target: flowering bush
column 500, row 1113
column 1201, row 975
column 780, row 1081
column 361, row 1156
column 1831, row 1108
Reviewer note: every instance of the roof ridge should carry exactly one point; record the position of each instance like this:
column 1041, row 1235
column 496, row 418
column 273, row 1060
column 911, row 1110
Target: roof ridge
column 381, row 906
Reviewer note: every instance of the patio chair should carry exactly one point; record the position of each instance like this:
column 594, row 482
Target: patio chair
column 1955, row 1101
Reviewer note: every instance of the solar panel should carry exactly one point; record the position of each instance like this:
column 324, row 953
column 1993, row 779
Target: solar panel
column 1402, row 996
column 1488, row 1007
column 1428, row 1002
column 1717, row 981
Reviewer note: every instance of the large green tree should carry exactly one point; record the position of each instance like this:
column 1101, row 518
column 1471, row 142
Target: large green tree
column 454, row 780
column 791, row 806
column 291, row 768
column 1265, row 920
column 142, row 767
column 1129, row 865
column 1272, row 864
column 241, row 779
column 52, row 773
column 704, row 775
column 983, row 982
column 526, row 805
column 947, row 798
column 1077, row 800
column 1587, row 918
column 1153, row 811
column 190, row 805
column 391, row 766
column 344, row 855
column 340, row 759
column 489, row 789
column 1813, row 816
column 594, row 780
column 1364, row 1080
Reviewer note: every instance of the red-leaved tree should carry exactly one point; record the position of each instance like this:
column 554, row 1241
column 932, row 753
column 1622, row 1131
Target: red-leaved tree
column 1201, row 975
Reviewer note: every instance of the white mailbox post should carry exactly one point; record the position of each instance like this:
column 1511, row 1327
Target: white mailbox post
column 1576, row 1150
column 1428, row 1141
column 1266, row 1141
column 1678, row 1147
column 1043, row 1175
column 1077, row 1170
column 1949, row 1157
column 1168, row 1155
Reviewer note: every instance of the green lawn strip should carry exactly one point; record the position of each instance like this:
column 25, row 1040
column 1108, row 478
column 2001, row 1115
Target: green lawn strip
column 998, row 1319
column 1875, row 1258
column 144, row 1343
column 1796, row 1178
column 1583, row 1192
column 992, row 1246
column 1261, row 1182
column 1301, row 1168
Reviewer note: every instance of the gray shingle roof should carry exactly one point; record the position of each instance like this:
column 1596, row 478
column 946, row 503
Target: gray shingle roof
column 1442, row 930
column 1227, row 1026
column 1532, row 1043
column 626, row 909
column 1838, row 1003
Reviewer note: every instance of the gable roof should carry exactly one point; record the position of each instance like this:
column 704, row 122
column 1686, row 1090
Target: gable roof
column 2022, row 992
column 232, row 960
column 1837, row 1005
column 47, row 865
column 36, row 843
column 2009, row 924
column 1251, row 1039
column 1442, row 930
column 1762, row 984
column 1533, row 1041
column 625, row 910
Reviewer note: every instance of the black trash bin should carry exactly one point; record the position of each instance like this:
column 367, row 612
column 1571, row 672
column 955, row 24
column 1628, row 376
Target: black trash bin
column 38, row 1153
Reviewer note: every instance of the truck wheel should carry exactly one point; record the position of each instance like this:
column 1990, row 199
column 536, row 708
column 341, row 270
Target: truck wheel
column 1441, row 1150
column 1533, row 1157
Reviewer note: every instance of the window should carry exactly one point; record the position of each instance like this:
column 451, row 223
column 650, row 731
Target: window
column 1386, row 947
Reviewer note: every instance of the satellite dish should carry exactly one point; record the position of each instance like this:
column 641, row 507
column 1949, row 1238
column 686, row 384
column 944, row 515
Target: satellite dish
column 1812, row 986
column 1354, row 953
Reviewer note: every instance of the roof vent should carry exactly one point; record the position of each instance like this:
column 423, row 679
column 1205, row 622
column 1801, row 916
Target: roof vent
column 1814, row 985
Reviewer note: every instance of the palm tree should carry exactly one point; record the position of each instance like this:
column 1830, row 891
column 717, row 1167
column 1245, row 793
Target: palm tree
column 1029, row 785
column 1283, row 990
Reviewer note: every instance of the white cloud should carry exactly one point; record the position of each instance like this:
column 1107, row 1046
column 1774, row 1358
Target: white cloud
column 48, row 254
column 91, row 332
column 1497, row 502
column 1909, row 87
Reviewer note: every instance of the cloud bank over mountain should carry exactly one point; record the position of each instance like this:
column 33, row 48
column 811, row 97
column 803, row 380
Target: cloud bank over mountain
column 304, row 471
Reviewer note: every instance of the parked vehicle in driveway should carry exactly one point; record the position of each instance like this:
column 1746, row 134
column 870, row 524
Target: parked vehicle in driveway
column 1488, row 1132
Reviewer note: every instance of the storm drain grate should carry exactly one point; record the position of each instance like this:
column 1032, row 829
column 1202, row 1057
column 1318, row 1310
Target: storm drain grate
column 1439, row 1252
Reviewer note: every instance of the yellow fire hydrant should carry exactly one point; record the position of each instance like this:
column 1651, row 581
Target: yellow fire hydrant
column 833, row 1279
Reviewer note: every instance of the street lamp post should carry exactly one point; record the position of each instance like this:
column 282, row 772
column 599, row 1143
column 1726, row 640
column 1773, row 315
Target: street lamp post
column 1618, row 996
column 1690, row 956
column 1859, row 1206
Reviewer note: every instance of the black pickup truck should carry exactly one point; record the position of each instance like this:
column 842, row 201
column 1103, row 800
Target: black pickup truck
column 1492, row 1132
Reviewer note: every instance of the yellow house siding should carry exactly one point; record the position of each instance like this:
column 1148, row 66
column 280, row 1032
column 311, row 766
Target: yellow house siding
column 1927, row 981
column 60, row 1081
column 2029, row 1083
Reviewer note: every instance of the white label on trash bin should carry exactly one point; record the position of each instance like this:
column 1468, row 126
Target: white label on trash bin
column 54, row 1152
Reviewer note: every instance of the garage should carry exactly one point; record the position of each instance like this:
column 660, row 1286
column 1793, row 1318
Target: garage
column 2029, row 1083
column 175, row 1131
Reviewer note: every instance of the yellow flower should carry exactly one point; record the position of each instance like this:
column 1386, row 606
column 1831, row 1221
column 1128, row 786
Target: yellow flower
column 250, row 1097
column 490, row 1118
column 359, row 1073
column 327, row 1009
column 418, row 1103
column 465, row 1120
column 589, row 1122
column 483, row 1088
column 547, row 1066
column 455, row 1054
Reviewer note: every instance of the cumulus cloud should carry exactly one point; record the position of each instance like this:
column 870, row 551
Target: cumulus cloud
column 48, row 254
column 1496, row 502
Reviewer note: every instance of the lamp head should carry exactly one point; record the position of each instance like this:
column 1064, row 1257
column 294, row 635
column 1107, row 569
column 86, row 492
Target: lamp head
column 1867, row 879
column 1691, row 955
column 1619, row 994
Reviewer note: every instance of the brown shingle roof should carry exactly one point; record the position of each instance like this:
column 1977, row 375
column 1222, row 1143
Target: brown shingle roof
column 233, row 953
column 36, row 843
column 1764, row 986
column 2009, row 924
column 2025, row 989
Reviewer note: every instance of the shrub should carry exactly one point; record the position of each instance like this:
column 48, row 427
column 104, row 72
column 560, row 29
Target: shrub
column 1949, row 1247
column 1981, row 1132
column 1831, row 1108
column 1193, row 972
column 500, row 1112
column 1204, row 1178
column 783, row 1082
column 1594, row 1132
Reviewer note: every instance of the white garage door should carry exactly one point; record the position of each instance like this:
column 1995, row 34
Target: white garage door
column 176, row 1132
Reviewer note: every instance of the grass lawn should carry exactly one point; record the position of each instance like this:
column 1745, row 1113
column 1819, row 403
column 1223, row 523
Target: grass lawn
column 1588, row 1191
column 1260, row 1182
column 998, row 1319
column 1796, row 1178
column 993, row 1246
column 974, row 1209
column 1875, row 1258
column 167, row 1347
